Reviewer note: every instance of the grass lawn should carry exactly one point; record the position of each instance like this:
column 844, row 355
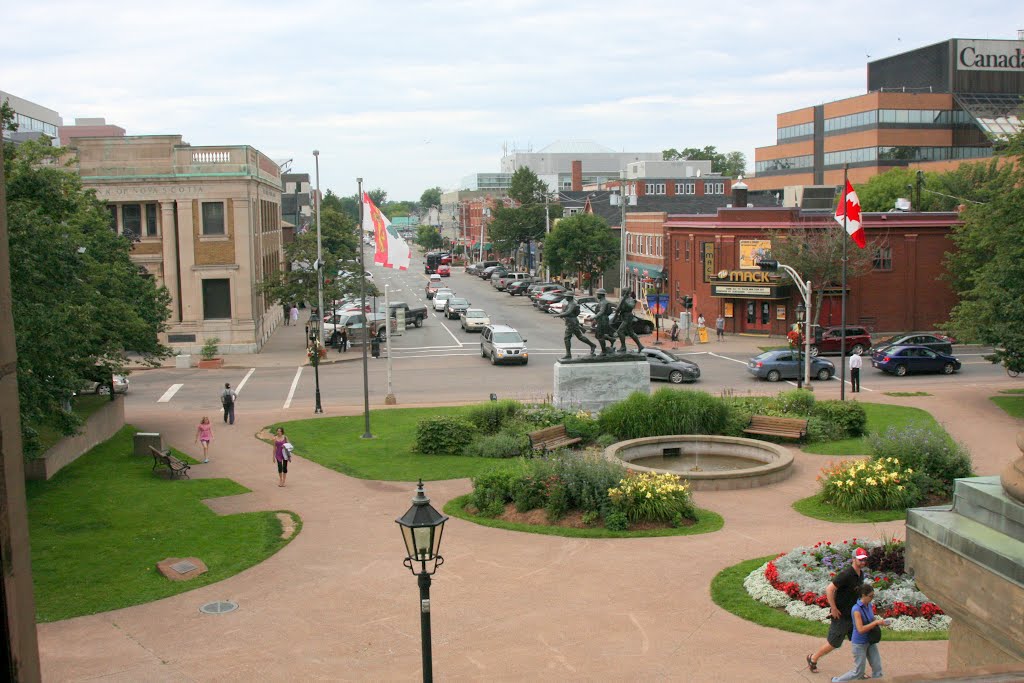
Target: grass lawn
column 337, row 443
column 708, row 521
column 880, row 418
column 83, row 406
column 1011, row 391
column 99, row 527
column 728, row 592
column 907, row 393
column 814, row 507
column 1012, row 405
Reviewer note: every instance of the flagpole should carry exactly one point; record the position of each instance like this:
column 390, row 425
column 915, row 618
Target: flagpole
column 842, row 306
column 366, row 325
column 390, row 398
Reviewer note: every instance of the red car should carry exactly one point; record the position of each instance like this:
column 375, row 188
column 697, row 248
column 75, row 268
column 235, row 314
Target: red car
column 444, row 270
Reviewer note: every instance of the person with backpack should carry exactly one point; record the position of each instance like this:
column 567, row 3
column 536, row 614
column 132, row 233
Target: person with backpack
column 866, row 635
column 227, row 399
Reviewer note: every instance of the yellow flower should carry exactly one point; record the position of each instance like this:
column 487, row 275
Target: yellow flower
column 849, row 482
column 900, row 487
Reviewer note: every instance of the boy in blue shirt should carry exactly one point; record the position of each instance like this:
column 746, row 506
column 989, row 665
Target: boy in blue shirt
column 865, row 638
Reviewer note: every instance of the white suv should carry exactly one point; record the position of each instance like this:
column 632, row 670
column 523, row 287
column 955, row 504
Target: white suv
column 502, row 344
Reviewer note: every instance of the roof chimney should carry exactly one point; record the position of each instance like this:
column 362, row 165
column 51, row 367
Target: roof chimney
column 739, row 193
column 577, row 176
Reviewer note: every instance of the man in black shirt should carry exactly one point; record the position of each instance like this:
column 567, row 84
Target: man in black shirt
column 842, row 593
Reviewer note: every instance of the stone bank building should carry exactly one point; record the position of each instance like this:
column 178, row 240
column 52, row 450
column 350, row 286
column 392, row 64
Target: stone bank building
column 208, row 222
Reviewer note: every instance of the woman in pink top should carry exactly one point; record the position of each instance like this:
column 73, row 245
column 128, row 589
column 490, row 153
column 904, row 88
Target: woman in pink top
column 281, row 456
column 204, row 433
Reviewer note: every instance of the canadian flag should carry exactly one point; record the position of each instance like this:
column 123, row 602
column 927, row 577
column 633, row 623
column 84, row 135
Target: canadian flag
column 849, row 208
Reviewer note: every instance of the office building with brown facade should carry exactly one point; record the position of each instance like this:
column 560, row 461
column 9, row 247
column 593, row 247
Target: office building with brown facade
column 208, row 227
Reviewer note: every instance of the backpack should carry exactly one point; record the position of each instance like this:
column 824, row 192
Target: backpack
column 227, row 398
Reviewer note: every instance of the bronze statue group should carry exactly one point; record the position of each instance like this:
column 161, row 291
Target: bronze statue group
column 609, row 324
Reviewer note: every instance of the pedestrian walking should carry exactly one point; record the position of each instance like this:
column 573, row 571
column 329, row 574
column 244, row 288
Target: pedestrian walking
column 204, row 434
column 856, row 362
column 375, row 346
column 294, row 314
column 720, row 327
column 344, row 339
column 674, row 334
column 842, row 593
column 282, row 455
column 287, row 313
column 867, row 633
column 227, row 399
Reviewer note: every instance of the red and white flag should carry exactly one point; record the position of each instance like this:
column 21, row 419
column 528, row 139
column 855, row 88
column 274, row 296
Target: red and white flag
column 392, row 251
column 849, row 207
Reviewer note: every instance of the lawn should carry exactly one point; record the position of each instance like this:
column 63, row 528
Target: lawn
column 83, row 406
column 727, row 592
column 813, row 506
column 99, row 527
column 880, row 418
column 1012, row 404
column 337, row 443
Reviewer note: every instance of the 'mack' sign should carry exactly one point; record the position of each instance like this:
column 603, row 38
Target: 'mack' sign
column 990, row 55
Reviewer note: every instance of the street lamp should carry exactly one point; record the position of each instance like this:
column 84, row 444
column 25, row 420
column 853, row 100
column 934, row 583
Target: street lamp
column 800, row 311
column 318, row 344
column 804, row 288
column 422, row 527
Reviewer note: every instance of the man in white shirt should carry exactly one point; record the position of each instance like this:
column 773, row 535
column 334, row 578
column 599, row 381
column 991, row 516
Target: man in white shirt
column 855, row 365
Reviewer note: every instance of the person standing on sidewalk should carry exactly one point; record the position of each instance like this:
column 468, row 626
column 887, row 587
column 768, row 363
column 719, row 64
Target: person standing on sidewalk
column 204, row 433
column 842, row 594
column 294, row 314
column 856, row 362
column 720, row 327
column 227, row 399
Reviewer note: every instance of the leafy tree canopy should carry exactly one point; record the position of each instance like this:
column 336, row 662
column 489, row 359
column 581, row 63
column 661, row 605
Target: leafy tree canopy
column 526, row 188
column 431, row 197
column 428, row 237
column 581, row 243
column 731, row 164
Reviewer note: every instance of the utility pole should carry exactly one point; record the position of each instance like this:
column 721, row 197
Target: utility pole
column 366, row 326
column 319, row 291
column 547, row 232
column 622, row 233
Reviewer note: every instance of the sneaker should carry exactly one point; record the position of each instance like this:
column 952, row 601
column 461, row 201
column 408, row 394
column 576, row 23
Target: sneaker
column 206, row 461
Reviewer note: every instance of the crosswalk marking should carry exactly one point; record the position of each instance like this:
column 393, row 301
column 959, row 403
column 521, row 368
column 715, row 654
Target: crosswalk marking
column 169, row 394
column 291, row 391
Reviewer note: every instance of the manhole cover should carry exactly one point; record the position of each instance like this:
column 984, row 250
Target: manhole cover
column 219, row 607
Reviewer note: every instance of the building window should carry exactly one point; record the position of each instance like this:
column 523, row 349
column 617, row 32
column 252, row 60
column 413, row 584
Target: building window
column 686, row 248
column 654, row 188
column 151, row 229
column 213, row 218
column 216, row 299
column 675, row 248
column 573, row 210
column 883, row 258
column 131, row 219
column 714, row 188
column 650, row 245
column 686, row 188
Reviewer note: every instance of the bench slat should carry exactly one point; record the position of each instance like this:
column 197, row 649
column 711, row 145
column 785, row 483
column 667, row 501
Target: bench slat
column 551, row 437
column 777, row 426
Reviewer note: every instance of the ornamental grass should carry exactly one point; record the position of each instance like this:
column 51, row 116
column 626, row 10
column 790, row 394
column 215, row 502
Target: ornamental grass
column 652, row 497
column 857, row 485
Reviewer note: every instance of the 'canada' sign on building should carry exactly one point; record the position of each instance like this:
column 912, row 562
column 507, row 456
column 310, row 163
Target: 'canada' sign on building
column 990, row 55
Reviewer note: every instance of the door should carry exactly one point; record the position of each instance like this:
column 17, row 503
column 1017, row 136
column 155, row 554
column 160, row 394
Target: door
column 758, row 316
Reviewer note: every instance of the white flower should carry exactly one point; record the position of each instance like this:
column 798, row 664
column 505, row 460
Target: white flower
column 798, row 609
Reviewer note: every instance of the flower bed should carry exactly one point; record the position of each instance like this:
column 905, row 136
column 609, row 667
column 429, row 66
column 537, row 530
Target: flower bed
column 796, row 582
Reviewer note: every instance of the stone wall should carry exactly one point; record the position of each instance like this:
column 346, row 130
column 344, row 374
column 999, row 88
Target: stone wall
column 100, row 426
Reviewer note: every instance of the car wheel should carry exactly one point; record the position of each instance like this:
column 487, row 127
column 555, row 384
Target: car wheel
column 418, row 322
column 483, row 354
column 814, row 351
column 948, row 368
column 102, row 390
column 676, row 377
column 494, row 360
column 824, row 374
column 901, row 370
column 774, row 376
column 857, row 350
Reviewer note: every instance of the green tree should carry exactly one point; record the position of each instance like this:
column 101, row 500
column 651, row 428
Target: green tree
column 348, row 206
column 379, row 197
column 79, row 303
column 428, row 237
column 526, row 188
column 987, row 267
column 732, row 164
column 431, row 197
column 581, row 243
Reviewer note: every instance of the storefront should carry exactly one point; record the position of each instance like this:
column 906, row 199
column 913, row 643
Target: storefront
column 751, row 302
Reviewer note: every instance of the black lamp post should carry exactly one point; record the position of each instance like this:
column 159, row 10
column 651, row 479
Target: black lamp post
column 801, row 310
column 422, row 527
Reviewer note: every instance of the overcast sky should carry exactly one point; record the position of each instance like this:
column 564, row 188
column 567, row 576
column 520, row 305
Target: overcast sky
column 409, row 95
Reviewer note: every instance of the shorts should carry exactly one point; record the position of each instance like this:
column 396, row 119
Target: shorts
column 282, row 467
column 839, row 630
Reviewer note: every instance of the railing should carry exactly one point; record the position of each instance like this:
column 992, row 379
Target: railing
column 211, row 157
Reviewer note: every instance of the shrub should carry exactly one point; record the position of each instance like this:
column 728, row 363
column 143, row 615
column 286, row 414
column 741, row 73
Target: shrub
column 557, row 503
column 797, row 402
column 883, row 484
column 651, row 497
column 590, row 518
column 935, row 458
column 492, row 490
column 586, row 480
column 849, row 415
column 210, row 348
column 606, row 440
column 582, row 425
column 616, row 521
column 820, row 429
column 542, row 415
column 667, row 411
column 737, row 417
column 529, row 492
column 491, row 417
column 443, row 434
column 504, row 444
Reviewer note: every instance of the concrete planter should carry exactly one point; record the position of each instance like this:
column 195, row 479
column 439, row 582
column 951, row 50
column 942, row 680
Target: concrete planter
column 211, row 364
column 100, row 426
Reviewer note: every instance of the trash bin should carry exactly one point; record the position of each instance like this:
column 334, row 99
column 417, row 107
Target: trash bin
column 143, row 440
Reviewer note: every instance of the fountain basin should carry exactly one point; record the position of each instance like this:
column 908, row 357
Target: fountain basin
column 726, row 462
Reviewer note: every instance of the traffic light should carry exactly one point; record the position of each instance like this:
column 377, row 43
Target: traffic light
column 687, row 302
column 768, row 264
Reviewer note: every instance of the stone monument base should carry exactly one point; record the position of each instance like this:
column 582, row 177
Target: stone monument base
column 592, row 383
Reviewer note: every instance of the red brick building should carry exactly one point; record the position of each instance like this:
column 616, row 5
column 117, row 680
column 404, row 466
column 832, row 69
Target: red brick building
column 713, row 258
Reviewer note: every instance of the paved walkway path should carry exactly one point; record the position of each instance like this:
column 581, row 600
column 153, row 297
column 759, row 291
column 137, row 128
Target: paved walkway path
column 337, row 604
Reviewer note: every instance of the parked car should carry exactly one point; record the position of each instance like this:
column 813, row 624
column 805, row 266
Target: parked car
column 433, row 284
column 444, row 270
column 441, row 298
column 544, row 289
column 354, row 323
column 475, row 320
column 587, row 316
column 454, row 307
column 446, row 259
column 785, row 364
column 103, row 388
column 489, row 270
column 496, row 274
column 548, row 298
column 413, row 315
column 503, row 344
column 829, row 340
column 504, row 281
column 667, row 366
column 517, row 287
column 902, row 360
column 474, row 268
column 931, row 341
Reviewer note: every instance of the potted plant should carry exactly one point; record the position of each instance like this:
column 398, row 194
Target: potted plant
column 209, row 354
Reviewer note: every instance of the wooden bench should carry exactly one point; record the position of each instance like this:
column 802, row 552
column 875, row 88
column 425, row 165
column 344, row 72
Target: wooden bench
column 551, row 438
column 789, row 427
column 173, row 465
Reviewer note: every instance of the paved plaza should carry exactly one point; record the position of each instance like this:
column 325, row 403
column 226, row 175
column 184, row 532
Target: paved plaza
column 337, row 604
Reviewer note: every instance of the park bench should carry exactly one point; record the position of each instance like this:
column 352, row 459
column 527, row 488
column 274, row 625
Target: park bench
column 789, row 427
column 550, row 438
column 165, row 459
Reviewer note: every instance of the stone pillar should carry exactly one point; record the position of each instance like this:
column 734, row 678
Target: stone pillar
column 170, row 256
column 191, row 294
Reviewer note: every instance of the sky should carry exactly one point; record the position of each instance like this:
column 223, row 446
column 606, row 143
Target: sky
column 409, row 95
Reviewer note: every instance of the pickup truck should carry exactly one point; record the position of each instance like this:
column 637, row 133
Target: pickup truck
column 413, row 316
column 354, row 323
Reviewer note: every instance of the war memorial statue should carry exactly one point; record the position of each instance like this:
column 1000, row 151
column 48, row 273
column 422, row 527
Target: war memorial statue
column 603, row 329
column 572, row 326
column 624, row 320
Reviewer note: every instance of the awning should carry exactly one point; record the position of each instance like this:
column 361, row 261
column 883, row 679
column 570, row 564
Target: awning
column 644, row 270
column 997, row 115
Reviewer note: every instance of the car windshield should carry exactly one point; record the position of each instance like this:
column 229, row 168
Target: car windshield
column 441, row 294
column 452, row 301
column 507, row 338
column 475, row 314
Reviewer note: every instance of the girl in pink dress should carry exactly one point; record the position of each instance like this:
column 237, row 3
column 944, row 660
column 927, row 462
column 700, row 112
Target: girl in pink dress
column 204, row 433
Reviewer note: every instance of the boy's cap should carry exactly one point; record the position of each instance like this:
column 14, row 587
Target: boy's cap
column 860, row 554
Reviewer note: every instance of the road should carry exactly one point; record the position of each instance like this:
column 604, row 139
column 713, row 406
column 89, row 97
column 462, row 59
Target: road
column 439, row 363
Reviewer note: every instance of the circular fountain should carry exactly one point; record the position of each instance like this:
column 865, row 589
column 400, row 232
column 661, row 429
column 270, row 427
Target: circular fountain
column 709, row 463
